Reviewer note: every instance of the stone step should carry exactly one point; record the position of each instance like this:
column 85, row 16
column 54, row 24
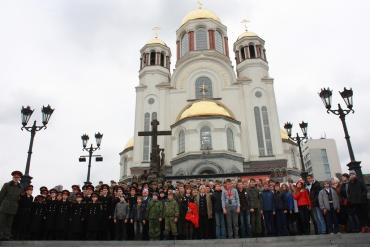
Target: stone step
column 350, row 240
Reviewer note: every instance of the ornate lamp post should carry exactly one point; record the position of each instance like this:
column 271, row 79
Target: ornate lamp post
column 91, row 150
column 26, row 115
column 347, row 95
column 298, row 140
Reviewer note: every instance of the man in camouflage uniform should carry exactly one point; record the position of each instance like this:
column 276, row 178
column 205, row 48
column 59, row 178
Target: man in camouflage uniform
column 154, row 215
column 171, row 214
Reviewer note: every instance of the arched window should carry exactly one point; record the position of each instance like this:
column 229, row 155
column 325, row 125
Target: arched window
column 181, row 141
column 125, row 166
column 201, row 39
column 146, row 138
column 154, row 115
column 203, row 88
column 152, row 58
column 230, row 139
column 242, row 53
column 205, row 138
column 266, row 127
column 219, row 42
column 257, row 117
column 252, row 51
column 184, row 44
column 162, row 59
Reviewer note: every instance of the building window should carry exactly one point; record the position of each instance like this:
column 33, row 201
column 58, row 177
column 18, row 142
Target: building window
column 146, row 138
column 181, row 141
column 325, row 162
column 203, row 88
column 257, row 117
column 162, row 59
column 252, row 51
column 266, row 127
column 184, row 44
column 152, row 57
column 205, row 138
column 230, row 140
column 125, row 167
column 219, row 42
column 201, row 39
column 242, row 53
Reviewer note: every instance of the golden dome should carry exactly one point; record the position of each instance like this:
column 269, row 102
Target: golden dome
column 284, row 134
column 247, row 34
column 130, row 143
column 204, row 108
column 200, row 13
column 156, row 40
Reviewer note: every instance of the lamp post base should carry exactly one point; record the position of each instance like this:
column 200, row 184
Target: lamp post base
column 355, row 166
column 26, row 180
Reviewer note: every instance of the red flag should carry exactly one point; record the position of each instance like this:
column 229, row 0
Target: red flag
column 192, row 214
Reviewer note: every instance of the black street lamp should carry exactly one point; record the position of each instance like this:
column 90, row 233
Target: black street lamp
column 298, row 140
column 347, row 95
column 91, row 150
column 26, row 115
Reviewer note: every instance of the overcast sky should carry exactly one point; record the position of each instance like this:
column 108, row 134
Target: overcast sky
column 82, row 58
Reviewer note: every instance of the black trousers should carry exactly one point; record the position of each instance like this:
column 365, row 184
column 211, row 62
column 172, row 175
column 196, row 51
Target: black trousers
column 304, row 216
column 121, row 230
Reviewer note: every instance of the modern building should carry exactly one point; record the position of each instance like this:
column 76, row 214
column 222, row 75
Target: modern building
column 223, row 119
column 321, row 158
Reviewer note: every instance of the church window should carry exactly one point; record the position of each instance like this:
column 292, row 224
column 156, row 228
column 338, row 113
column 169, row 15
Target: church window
column 162, row 59
column 146, row 138
column 152, row 57
column 151, row 101
column 252, row 51
column 125, row 166
column 201, row 39
column 205, row 138
column 203, row 88
column 181, row 141
column 184, row 44
column 242, row 53
column 230, row 140
column 219, row 42
column 257, row 117
column 258, row 94
column 266, row 127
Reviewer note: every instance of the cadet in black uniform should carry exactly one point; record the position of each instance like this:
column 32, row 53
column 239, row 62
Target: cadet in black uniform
column 50, row 217
column 77, row 218
column 62, row 217
column 93, row 217
column 106, row 202
column 37, row 218
column 23, row 217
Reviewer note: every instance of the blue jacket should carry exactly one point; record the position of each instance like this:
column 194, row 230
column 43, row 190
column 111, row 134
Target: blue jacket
column 268, row 203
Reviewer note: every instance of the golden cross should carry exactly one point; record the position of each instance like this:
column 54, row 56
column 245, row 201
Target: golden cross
column 245, row 24
column 200, row 4
column 156, row 31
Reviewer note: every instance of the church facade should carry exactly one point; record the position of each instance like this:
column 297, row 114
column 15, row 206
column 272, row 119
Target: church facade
column 223, row 119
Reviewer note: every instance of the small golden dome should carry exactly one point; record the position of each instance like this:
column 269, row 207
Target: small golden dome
column 247, row 34
column 204, row 108
column 284, row 134
column 200, row 13
column 130, row 143
column 156, row 40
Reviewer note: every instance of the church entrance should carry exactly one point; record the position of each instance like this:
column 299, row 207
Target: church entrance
column 207, row 172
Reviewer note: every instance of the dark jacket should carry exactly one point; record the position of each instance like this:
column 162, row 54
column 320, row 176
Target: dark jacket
column 77, row 217
column 37, row 217
column 280, row 201
column 357, row 192
column 243, row 198
column 51, row 208
column 62, row 216
column 93, row 216
column 314, row 194
column 254, row 198
column 9, row 197
column 217, row 201
column 268, row 203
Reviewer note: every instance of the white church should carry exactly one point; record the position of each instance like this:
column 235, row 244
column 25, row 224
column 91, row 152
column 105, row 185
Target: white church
column 223, row 121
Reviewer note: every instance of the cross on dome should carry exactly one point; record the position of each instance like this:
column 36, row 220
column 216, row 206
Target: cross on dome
column 245, row 24
column 156, row 31
column 200, row 4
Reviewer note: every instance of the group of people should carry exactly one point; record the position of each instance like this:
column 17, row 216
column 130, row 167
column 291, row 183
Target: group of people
column 196, row 209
